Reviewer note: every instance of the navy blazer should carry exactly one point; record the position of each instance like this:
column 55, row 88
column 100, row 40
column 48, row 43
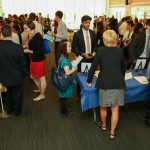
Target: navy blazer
column 112, row 68
column 12, row 63
column 78, row 43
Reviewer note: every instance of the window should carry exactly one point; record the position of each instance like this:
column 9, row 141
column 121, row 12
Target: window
column 73, row 9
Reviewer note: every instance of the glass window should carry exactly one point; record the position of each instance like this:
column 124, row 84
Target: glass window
column 73, row 9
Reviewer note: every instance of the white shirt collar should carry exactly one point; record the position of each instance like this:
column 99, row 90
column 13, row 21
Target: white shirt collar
column 84, row 31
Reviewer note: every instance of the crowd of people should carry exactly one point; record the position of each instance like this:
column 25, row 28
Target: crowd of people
column 111, row 46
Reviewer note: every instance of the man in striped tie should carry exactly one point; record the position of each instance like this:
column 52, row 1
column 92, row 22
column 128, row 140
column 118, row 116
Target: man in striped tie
column 84, row 43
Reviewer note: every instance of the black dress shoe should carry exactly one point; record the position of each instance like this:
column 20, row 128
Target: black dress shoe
column 68, row 113
column 147, row 122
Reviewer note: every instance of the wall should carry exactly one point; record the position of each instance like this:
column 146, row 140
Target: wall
column 116, row 2
column 135, row 8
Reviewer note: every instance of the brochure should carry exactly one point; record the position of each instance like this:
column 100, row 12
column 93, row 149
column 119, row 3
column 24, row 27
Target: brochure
column 76, row 62
column 142, row 79
column 128, row 76
column 48, row 37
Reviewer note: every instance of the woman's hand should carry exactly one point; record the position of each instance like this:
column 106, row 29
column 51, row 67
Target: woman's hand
column 25, row 47
column 89, row 84
column 28, row 51
column 76, row 68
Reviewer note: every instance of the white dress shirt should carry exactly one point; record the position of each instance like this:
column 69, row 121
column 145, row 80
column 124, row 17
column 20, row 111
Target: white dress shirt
column 84, row 34
column 61, row 31
column 122, row 28
column 38, row 27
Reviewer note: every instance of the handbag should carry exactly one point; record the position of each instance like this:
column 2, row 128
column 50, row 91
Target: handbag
column 59, row 79
column 47, row 48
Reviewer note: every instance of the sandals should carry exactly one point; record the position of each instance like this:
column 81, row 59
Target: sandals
column 112, row 136
column 103, row 128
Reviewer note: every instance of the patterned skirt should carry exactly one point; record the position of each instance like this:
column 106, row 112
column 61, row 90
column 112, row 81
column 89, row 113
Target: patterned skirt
column 111, row 97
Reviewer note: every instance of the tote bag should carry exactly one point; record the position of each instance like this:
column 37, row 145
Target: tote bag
column 47, row 48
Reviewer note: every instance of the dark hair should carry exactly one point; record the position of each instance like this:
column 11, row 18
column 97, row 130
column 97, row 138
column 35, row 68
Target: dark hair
column 136, row 20
column 15, row 16
column 2, row 23
column 148, row 22
column 62, row 48
column 32, row 16
column 1, row 18
column 59, row 14
column 100, row 27
column 30, row 25
column 6, row 30
column 137, row 27
column 126, row 18
column 85, row 18
column 130, row 23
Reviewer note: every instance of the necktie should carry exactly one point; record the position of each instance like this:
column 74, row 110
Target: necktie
column 87, row 42
column 148, row 46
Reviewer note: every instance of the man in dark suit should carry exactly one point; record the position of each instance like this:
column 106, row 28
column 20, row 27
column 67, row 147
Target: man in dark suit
column 12, row 72
column 139, row 47
column 84, row 43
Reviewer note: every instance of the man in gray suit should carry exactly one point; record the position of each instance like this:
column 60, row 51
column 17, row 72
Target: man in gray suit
column 12, row 72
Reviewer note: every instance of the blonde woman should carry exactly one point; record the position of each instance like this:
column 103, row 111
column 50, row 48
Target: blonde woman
column 110, row 82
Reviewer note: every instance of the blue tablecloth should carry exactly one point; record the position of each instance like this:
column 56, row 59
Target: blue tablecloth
column 135, row 91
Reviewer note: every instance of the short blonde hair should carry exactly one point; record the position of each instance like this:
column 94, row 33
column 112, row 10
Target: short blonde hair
column 110, row 38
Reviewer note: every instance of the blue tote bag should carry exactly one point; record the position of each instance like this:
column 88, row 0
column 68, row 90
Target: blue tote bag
column 47, row 48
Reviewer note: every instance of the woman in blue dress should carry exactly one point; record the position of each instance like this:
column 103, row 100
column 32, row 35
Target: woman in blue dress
column 64, row 49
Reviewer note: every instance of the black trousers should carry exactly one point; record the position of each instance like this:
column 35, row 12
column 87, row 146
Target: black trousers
column 63, row 105
column 56, row 53
column 27, row 62
column 13, row 98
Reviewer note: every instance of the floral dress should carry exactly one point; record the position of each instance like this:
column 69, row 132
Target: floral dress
column 64, row 61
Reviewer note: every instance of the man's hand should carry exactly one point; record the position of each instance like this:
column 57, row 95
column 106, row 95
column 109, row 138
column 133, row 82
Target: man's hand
column 93, row 54
column 89, row 84
column 85, row 55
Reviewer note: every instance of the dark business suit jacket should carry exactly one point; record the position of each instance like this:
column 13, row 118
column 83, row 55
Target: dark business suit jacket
column 78, row 43
column 112, row 68
column 137, row 45
column 12, row 63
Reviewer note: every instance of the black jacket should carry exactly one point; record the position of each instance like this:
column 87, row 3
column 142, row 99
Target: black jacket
column 12, row 63
column 78, row 44
column 137, row 46
column 112, row 68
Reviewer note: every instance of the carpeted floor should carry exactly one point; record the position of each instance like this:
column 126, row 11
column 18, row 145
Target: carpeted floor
column 41, row 126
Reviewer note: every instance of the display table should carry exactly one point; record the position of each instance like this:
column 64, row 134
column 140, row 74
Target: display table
column 135, row 91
